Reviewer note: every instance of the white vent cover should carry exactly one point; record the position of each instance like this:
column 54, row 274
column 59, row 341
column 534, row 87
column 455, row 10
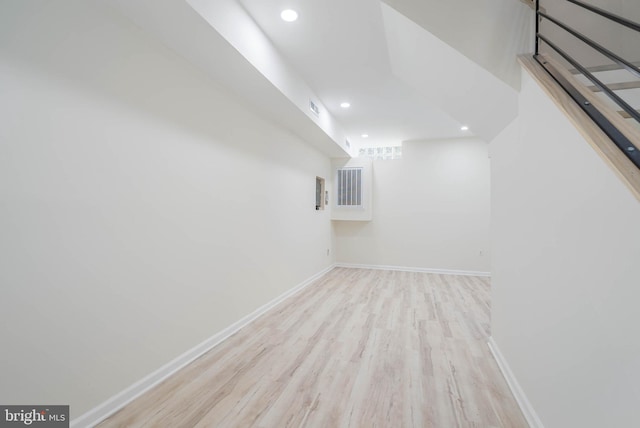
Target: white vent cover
column 314, row 108
column 349, row 187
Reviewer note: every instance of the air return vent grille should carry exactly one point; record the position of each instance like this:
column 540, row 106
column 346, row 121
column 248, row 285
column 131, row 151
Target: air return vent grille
column 349, row 187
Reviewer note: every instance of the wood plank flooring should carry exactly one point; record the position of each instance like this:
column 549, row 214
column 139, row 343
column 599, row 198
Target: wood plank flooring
column 358, row 348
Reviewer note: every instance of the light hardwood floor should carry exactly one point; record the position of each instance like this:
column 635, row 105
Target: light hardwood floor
column 358, row 348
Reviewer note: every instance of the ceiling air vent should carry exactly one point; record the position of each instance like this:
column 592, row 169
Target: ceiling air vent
column 347, row 143
column 314, row 108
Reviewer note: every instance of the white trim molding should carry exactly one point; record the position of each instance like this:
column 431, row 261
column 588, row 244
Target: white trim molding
column 118, row 401
column 415, row 269
column 525, row 405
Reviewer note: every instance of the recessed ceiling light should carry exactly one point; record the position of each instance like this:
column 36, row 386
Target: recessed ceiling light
column 464, row 128
column 365, row 135
column 289, row 15
column 345, row 105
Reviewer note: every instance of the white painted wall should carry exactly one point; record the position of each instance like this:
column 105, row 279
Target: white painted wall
column 430, row 210
column 566, row 247
column 459, row 86
column 491, row 33
column 277, row 94
column 143, row 208
column 231, row 20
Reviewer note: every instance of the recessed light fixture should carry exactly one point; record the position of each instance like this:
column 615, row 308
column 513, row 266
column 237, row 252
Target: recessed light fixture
column 365, row 135
column 464, row 128
column 345, row 105
column 289, row 15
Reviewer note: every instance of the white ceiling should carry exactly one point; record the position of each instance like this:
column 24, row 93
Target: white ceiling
column 465, row 90
column 403, row 82
column 339, row 48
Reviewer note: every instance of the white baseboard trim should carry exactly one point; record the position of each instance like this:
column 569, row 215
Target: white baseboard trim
column 118, row 401
column 415, row 269
column 527, row 409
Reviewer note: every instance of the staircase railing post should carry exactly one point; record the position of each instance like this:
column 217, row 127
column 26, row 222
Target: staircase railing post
column 537, row 18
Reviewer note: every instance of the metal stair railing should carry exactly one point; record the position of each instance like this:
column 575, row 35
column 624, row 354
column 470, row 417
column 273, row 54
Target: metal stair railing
column 559, row 73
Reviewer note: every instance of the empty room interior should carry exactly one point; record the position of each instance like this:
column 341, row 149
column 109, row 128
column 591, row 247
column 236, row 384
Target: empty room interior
column 296, row 213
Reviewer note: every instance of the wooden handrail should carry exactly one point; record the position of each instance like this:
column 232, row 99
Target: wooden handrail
column 599, row 141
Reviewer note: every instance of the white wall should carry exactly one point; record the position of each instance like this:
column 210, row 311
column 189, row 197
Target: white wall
column 489, row 32
column 430, row 210
column 143, row 208
column 446, row 77
column 566, row 247
column 231, row 20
